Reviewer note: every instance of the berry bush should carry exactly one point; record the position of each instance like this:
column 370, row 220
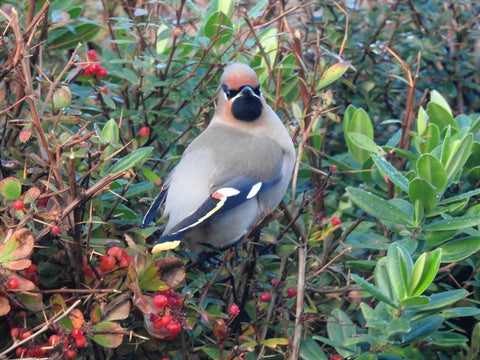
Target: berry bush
column 374, row 253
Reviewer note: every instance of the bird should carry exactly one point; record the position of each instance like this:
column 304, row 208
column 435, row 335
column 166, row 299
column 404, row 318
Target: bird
column 235, row 171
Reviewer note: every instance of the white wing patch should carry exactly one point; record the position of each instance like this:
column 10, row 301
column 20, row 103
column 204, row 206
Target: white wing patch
column 254, row 190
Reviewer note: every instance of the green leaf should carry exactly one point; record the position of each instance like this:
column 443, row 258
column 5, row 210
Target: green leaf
column 424, row 271
column 363, row 142
column 399, row 268
column 108, row 334
column 423, row 328
column 448, row 339
column 218, row 27
column 378, row 207
column 67, row 39
column 11, row 188
column 419, row 300
column 337, row 345
column 358, row 121
column 340, row 328
column 373, row 320
column 459, row 152
column 432, row 170
column 437, row 98
column 422, row 191
column 388, row 170
column 136, row 157
column 442, row 300
column 372, row 290
column 455, row 223
column 463, row 196
column 110, row 132
column 382, row 281
column 462, row 311
column 440, row 117
column 422, row 120
column 431, row 139
column 460, row 249
column 310, row 350
column 332, row 74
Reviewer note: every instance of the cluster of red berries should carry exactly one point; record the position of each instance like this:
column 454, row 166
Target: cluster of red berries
column 167, row 318
column 65, row 344
column 115, row 257
column 93, row 67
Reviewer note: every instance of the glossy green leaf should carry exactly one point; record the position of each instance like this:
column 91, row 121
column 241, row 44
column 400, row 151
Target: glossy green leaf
column 108, row 334
column 336, row 344
column 437, row 98
column 448, row 339
column 110, row 133
column 459, row 153
column 422, row 120
column 460, row 249
column 417, row 300
column 218, row 27
column 372, row 290
column 439, row 116
column 423, row 328
column 473, row 175
column 378, row 207
column 310, row 350
column 422, row 191
column 388, row 170
column 424, row 271
column 455, row 223
column 382, row 281
column 362, row 142
column 431, row 139
column 461, row 311
column 136, row 157
column 340, row 328
column 81, row 33
column 358, row 121
column 399, row 268
column 432, row 170
column 371, row 317
column 443, row 300
column 332, row 74
column 466, row 195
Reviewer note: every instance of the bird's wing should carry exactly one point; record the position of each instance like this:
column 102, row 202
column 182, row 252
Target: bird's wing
column 222, row 198
column 152, row 211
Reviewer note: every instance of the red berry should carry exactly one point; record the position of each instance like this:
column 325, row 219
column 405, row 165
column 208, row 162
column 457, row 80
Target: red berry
column 32, row 268
column 144, row 131
column 92, row 55
column 265, row 297
column 70, row 354
column 94, row 68
column 174, row 328
column 291, row 292
column 115, row 251
column 102, row 72
column 14, row 333
column 274, row 282
column 160, row 301
column 335, row 221
column 26, row 334
column 54, row 340
column 104, row 90
column 55, row 229
column 86, row 71
column 12, row 283
column 80, row 341
column 336, row 357
column 233, row 310
column 77, row 333
column 19, row 351
column 125, row 262
column 165, row 320
column 333, row 168
column 18, row 205
column 107, row 263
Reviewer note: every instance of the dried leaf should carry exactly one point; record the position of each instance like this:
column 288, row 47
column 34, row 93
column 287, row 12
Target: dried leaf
column 4, row 306
column 25, row 243
column 77, row 318
column 139, row 300
column 171, row 271
column 18, row 264
column 96, row 313
column 25, row 134
column 32, row 194
column 120, row 312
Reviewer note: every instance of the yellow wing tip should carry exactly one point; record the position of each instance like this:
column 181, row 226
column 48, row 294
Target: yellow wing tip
column 165, row 246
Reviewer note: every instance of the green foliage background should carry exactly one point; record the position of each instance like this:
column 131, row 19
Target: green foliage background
column 385, row 92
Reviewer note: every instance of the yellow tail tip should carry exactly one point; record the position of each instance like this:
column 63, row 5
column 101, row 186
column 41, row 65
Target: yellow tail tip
column 165, row 246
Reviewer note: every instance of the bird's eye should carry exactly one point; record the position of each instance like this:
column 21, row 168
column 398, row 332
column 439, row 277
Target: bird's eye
column 257, row 91
column 230, row 94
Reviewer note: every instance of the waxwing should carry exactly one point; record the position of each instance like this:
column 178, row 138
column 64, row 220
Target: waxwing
column 232, row 173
